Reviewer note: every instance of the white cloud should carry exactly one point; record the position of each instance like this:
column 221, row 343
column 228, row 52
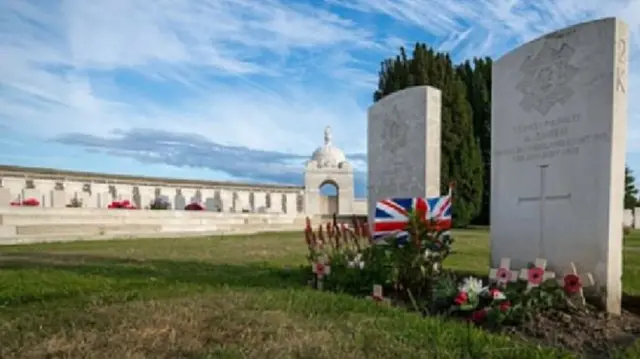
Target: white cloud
column 265, row 74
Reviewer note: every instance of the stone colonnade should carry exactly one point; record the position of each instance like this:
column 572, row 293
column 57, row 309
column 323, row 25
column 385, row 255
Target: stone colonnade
column 99, row 193
column 631, row 218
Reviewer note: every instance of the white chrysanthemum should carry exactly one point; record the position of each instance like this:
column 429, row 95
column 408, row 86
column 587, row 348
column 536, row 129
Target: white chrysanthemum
column 471, row 285
column 357, row 262
column 493, row 293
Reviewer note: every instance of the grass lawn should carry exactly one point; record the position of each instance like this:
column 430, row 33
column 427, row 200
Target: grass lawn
column 223, row 297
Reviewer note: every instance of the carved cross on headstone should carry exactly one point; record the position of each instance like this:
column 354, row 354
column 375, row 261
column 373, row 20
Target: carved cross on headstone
column 573, row 284
column 542, row 197
column 321, row 269
column 503, row 275
column 537, row 274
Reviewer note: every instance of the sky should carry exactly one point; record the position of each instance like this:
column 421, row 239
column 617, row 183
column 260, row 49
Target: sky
column 237, row 90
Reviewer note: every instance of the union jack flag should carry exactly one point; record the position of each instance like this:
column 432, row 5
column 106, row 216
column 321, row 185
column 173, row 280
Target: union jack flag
column 392, row 215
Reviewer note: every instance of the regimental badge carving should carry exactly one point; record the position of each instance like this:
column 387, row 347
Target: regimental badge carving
column 394, row 132
column 546, row 80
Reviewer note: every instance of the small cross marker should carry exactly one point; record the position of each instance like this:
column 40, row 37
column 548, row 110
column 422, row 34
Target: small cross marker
column 503, row 275
column 574, row 283
column 377, row 295
column 321, row 269
column 536, row 275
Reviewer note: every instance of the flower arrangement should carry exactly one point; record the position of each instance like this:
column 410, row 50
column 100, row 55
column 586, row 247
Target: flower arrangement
column 194, row 206
column 124, row 204
column 29, row 202
column 411, row 271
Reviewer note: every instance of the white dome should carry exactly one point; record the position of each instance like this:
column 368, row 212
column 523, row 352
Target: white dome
column 328, row 155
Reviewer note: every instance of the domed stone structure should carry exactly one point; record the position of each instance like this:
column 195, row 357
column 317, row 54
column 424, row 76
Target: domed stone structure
column 328, row 165
column 328, row 155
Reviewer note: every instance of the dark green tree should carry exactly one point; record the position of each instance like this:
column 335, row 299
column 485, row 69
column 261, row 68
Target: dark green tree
column 477, row 78
column 630, row 190
column 461, row 160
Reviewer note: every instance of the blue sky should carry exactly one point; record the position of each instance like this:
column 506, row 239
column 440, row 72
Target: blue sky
column 235, row 89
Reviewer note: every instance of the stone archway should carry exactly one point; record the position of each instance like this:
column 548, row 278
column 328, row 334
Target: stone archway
column 329, row 198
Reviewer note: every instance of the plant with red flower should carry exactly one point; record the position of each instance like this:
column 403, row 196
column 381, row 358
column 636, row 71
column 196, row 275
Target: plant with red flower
column 14, row 204
column 195, row 206
column 124, row 204
column 461, row 298
column 535, row 275
column 479, row 315
column 504, row 306
column 30, row 202
column 572, row 284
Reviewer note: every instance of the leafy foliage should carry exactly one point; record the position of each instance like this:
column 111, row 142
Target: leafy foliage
column 160, row 204
column 411, row 271
column 630, row 190
column 465, row 120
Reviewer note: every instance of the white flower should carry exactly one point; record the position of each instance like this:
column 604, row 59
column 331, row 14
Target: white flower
column 356, row 262
column 427, row 253
column 493, row 293
column 436, row 266
column 471, row 285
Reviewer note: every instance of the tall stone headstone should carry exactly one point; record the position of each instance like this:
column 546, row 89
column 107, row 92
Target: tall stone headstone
column 403, row 145
column 636, row 218
column 558, row 130
column 627, row 218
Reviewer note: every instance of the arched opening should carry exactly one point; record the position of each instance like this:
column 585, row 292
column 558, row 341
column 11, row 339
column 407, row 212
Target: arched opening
column 235, row 205
column 328, row 199
column 197, row 197
column 283, row 203
column 252, row 202
column 299, row 203
column 267, row 200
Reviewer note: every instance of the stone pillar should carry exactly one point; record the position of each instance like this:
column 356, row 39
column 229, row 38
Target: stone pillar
column 101, row 195
column 259, row 201
column 15, row 185
column 146, row 196
column 45, row 189
column 292, row 204
column 276, row 202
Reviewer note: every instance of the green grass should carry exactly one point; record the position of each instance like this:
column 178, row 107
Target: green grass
column 222, row 297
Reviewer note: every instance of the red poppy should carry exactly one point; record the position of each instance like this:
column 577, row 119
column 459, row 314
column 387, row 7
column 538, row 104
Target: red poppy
column 320, row 269
column 504, row 275
column 461, row 298
column 479, row 315
column 504, row 306
column 31, row 202
column 194, row 207
column 535, row 275
column 494, row 293
column 572, row 284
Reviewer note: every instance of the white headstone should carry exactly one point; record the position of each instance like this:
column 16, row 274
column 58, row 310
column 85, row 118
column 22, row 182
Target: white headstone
column 559, row 112
column 636, row 218
column 403, row 145
column 627, row 218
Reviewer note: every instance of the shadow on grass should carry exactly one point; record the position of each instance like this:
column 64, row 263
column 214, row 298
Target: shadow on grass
column 131, row 274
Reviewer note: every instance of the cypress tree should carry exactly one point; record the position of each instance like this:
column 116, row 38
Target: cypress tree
column 461, row 159
column 477, row 79
column 630, row 190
